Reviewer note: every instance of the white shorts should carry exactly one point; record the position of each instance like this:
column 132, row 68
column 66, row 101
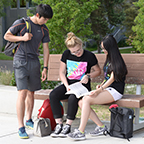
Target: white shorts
column 116, row 95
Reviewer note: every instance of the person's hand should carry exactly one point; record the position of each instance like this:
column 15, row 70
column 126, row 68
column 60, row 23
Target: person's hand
column 44, row 75
column 68, row 89
column 84, row 79
column 93, row 93
column 27, row 36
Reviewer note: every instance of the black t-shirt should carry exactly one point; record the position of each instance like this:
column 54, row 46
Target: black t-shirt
column 40, row 34
column 117, row 85
column 77, row 67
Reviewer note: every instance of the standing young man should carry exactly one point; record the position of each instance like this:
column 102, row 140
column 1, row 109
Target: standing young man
column 26, row 62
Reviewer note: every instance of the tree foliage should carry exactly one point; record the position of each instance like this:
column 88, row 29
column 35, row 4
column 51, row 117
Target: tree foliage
column 3, row 3
column 138, row 40
column 109, row 13
column 69, row 15
column 131, row 12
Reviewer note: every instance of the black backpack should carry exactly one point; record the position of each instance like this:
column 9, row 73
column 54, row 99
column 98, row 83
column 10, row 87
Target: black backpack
column 11, row 47
column 121, row 124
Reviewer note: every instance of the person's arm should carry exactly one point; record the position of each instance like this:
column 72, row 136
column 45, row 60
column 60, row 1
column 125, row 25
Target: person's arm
column 62, row 73
column 10, row 37
column 105, row 85
column 95, row 71
column 108, row 82
column 45, row 59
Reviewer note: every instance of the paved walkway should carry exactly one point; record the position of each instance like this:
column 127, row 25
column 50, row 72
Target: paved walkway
column 9, row 126
column 8, row 135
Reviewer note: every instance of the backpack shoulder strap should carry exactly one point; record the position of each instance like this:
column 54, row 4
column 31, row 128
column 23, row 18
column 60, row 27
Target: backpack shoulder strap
column 28, row 25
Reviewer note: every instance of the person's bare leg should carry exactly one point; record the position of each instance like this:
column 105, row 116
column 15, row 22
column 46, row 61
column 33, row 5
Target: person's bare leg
column 20, row 107
column 29, row 104
column 103, row 98
column 92, row 115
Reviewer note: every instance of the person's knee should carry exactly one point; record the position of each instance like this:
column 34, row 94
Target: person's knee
column 72, row 99
column 86, row 99
column 80, row 104
column 52, row 95
column 22, row 94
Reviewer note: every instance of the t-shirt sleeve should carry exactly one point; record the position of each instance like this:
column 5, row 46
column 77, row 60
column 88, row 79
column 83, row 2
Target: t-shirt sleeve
column 46, row 34
column 64, row 56
column 94, row 60
column 17, row 26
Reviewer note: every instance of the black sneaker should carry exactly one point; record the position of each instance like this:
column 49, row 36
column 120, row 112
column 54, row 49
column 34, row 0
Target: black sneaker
column 57, row 131
column 65, row 131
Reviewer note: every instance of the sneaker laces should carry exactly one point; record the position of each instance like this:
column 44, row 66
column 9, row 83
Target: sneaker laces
column 99, row 129
column 58, row 127
column 65, row 128
column 76, row 131
column 22, row 129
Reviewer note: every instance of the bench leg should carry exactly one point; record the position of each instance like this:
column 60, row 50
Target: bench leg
column 138, row 90
column 137, row 112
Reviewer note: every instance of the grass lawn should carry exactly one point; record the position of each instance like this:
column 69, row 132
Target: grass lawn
column 4, row 57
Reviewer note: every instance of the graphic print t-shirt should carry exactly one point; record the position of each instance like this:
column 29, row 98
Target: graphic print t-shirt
column 117, row 85
column 77, row 67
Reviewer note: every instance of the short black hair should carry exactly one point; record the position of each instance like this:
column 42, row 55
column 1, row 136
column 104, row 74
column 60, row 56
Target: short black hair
column 44, row 10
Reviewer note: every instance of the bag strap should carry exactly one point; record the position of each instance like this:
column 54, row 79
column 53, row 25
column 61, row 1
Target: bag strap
column 117, row 115
column 28, row 29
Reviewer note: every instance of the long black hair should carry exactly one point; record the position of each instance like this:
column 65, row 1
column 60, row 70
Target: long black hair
column 118, row 65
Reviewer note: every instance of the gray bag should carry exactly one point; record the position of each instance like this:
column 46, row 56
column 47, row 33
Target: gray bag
column 42, row 127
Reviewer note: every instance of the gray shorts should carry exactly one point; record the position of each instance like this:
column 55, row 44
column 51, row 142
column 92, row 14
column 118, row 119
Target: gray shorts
column 27, row 74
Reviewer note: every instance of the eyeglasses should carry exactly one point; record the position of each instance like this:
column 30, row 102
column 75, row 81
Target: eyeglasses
column 75, row 52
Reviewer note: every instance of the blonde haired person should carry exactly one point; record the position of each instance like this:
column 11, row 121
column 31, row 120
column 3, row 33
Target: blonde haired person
column 76, row 64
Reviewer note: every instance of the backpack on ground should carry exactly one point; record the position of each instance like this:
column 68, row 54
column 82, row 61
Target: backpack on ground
column 121, row 123
column 46, row 112
column 11, row 47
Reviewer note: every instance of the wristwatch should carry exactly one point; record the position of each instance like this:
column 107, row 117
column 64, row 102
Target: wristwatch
column 45, row 67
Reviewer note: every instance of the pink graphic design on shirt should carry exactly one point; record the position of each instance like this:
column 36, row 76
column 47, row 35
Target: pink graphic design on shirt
column 76, row 70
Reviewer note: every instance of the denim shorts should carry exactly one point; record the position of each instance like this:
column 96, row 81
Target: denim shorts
column 27, row 74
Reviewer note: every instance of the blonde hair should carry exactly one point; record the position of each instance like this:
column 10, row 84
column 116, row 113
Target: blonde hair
column 72, row 40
